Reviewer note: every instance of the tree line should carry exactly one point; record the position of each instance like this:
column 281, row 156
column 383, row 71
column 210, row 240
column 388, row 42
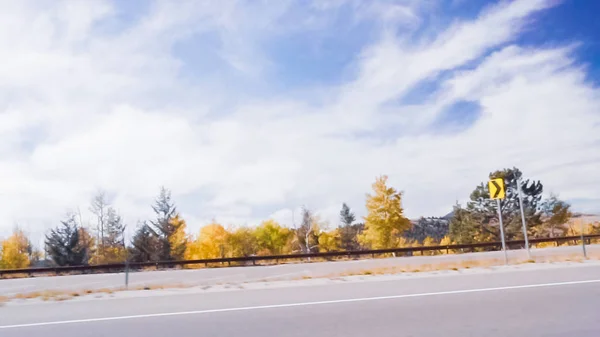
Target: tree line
column 165, row 238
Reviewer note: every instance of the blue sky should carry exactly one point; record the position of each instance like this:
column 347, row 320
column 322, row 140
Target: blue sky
column 248, row 110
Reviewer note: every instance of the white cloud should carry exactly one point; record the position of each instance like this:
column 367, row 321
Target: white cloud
column 83, row 108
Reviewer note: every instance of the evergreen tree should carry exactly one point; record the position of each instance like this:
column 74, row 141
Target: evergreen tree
column 145, row 245
column 349, row 231
column 432, row 227
column 484, row 211
column 463, row 227
column 556, row 213
column 64, row 244
column 164, row 227
column 346, row 215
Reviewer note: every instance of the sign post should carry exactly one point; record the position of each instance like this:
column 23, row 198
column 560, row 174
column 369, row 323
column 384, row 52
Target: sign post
column 523, row 217
column 583, row 241
column 496, row 187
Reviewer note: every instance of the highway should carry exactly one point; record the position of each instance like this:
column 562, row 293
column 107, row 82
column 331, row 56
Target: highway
column 530, row 300
column 238, row 275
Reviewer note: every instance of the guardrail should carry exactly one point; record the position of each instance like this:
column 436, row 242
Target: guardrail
column 119, row 267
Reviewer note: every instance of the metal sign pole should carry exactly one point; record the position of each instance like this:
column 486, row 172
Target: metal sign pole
column 523, row 217
column 126, row 262
column 502, row 232
column 583, row 241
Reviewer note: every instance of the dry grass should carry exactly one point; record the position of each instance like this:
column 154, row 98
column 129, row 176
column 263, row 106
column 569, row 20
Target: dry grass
column 56, row 295
column 454, row 266
column 13, row 276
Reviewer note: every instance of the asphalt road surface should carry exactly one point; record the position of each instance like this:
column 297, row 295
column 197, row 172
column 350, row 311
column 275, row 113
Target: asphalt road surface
column 530, row 301
column 236, row 275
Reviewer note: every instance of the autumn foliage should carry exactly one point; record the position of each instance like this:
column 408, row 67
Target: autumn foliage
column 384, row 225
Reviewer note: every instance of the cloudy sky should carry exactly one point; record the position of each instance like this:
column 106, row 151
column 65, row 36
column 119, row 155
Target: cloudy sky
column 248, row 109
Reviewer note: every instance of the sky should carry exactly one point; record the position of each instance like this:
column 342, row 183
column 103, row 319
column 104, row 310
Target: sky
column 248, row 110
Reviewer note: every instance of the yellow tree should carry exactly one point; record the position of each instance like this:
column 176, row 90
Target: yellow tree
column 330, row 241
column 210, row 243
column 445, row 242
column 15, row 251
column 385, row 221
column 428, row 242
column 242, row 242
column 178, row 240
column 272, row 238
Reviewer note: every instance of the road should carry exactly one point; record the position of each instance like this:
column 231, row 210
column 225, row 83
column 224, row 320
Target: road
column 237, row 275
column 528, row 301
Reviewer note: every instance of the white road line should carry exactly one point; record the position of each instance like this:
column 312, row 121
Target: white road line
column 291, row 305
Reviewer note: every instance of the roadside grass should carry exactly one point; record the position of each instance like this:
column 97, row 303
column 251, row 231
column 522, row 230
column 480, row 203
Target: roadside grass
column 455, row 266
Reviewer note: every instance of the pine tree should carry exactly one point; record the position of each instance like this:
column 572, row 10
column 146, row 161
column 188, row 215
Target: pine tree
column 163, row 227
column 64, row 244
column 435, row 228
column 485, row 210
column 464, row 228
column 145, row 245
column 346, row 215
column 349, row 231
column 557, row 213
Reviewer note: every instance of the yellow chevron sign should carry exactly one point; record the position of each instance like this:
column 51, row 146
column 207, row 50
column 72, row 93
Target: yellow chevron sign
column 496, row 187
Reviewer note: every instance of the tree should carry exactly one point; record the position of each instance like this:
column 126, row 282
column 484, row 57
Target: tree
column 16, row 251
column 349, row 236
column 349, row 231
column 64, row 244
column 86, row 243
column 306, row 234
column 145, row 245
column 556, row 213
column 464, row 228
column 163, row 227
column 99, row 207
column 435, row 228
column 243, row 242
column 178, row 239
column 330, row 241
column 484, row 210
column 210, row 243
column 346, row 215
column 272, row 238
column 385, row 219
column 110, row 246
column 428, row 242
column 113, row 247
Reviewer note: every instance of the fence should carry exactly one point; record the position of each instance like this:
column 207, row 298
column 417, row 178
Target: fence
column 119, row 267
